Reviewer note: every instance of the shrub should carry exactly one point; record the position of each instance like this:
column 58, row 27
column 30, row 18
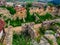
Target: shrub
column 11, row 10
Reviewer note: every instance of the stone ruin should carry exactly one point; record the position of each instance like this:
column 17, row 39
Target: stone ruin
column 8, row 37
column 47, row 24
column 27, row 29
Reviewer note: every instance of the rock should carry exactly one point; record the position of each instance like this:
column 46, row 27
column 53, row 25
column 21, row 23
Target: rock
column 29, row 28
column 8, row 37
column 43, row 41
column 54, row 11
column 5, row 13
column 57, row 34
column 34, row 42
column 51, row 37
column 57, row 20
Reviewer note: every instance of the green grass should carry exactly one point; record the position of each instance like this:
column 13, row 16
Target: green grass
column 45, row 16
column 14, row 23
column 1, row 44
column 57, row 24
column 58, row 40
column 11, row 10
column 21, row 40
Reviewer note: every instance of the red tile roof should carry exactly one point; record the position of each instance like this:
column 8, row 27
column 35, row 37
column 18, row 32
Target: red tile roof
column 2, row 23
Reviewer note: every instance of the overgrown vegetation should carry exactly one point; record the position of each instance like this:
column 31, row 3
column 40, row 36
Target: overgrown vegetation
column 21, row 40
column 44, row 17
column 42, row 31
column 11, row 10
column 58, row 40
column 14, row 23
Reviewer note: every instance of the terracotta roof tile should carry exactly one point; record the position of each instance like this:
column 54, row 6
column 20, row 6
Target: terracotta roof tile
column 2, row 23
